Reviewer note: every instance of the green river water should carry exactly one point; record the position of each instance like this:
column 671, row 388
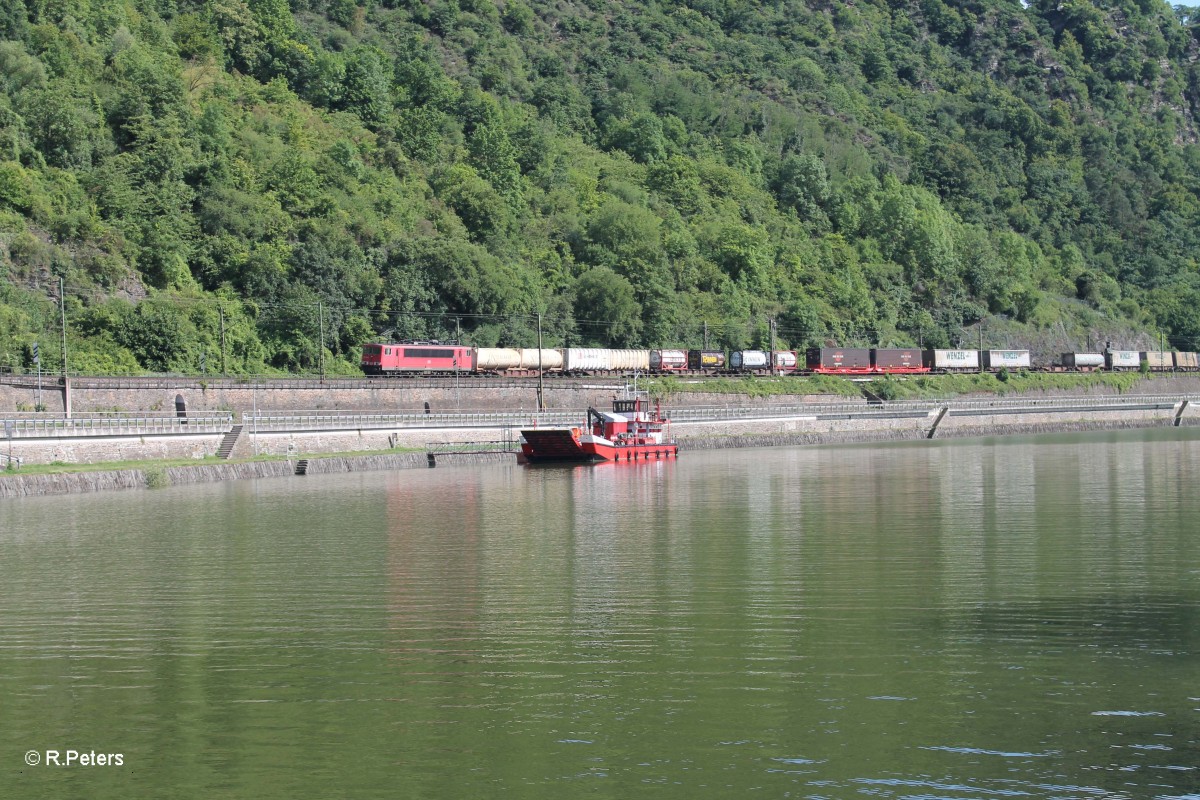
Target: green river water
column 1015, row 617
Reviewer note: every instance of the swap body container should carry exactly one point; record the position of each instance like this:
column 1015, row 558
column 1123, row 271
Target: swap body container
column 500, row 359
column 1159, row 360
column 952, row 360
column 1187, row 361
column 1007, row 359
column 594, row 359
column 897, row 359
column 1123, row 359
column 839, row 359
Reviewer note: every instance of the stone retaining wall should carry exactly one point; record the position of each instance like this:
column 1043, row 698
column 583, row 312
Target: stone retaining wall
column 794, row 430
column 102, row 480
column 401, row 397
column 98, row 449
column 691, row 436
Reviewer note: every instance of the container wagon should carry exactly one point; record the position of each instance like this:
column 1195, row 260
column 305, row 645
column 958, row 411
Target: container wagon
column 1187, row 362
column 749, row 360
column 897, row 360
column 1084, row 362
column 668, row 360
column 839, row 360
column 706, row 359
column 1159, row 360
column 588, row 360
column 1118, row 360
column 513, row 359
column 951, row 360
column 786, row 360
column 1006, row 359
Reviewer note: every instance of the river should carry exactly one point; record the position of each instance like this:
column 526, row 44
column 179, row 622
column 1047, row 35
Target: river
column 963, row 619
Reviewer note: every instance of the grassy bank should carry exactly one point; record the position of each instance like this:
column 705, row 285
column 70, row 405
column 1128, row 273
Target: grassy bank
column 914, row 387
column 1016, row 383
column 753, row 387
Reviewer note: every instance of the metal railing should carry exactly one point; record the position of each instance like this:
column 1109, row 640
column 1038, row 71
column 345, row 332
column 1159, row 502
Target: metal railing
column 37, row 425
column 460, row 448
column 29, row 425
column 350, row 420
column 318, row 421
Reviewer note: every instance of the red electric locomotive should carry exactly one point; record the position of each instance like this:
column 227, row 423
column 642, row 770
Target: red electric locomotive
column 417, row 358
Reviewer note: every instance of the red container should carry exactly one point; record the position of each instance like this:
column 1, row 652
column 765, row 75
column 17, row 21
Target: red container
column 897, row 359
column 839, row 360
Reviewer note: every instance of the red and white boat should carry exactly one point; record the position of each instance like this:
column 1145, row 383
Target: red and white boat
column 629, row 433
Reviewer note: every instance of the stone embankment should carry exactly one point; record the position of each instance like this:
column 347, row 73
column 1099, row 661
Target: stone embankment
column 103, row 480
column 752, row 425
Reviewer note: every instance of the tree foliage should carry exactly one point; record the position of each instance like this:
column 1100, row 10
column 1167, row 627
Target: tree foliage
column 643, row 174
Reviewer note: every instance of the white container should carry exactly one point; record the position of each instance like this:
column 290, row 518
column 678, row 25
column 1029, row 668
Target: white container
column 586, row 359
column 550, row 359
column 953, row 359
column 496, row 358
column 1008, row 359
column 1123, row 359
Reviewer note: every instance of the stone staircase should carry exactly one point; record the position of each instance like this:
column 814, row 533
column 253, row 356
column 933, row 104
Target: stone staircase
column 302, row 466
column 229, row 442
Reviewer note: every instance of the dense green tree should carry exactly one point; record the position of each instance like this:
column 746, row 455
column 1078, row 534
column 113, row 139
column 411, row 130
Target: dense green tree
column 605, row 304
column 876, row 172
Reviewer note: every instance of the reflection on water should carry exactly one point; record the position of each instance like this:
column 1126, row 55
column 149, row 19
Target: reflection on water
column 1015, row 617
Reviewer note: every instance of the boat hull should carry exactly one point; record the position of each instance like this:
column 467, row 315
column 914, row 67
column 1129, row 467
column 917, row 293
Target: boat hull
column 563, row 446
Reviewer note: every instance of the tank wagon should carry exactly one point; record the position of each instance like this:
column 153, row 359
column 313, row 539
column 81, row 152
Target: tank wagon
column 706, row 360
column 1082, row 362
column 668, row 360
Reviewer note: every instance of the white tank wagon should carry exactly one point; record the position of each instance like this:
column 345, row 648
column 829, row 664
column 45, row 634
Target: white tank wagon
column 749, row 359
column 1082, row 361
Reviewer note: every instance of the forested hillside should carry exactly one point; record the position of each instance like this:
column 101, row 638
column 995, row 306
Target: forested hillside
column 639, row 173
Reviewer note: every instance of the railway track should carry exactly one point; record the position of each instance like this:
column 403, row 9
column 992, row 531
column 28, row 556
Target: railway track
column 175, row 382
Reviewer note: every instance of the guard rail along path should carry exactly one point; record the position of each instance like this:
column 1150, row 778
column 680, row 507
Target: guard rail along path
column 332, row 420
column 42, row 425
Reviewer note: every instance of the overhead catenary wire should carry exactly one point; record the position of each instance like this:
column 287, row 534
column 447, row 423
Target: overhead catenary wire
column 754, row 326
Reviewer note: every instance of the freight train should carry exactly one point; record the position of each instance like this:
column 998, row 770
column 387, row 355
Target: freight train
column 438, row 358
